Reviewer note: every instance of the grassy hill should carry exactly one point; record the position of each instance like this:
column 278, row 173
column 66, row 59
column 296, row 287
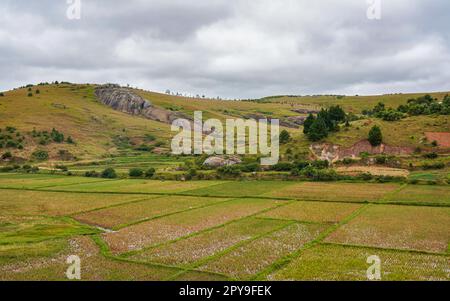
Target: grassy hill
column 99, row 131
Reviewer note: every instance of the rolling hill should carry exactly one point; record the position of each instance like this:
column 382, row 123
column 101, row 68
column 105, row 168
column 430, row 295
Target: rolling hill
column 99, row 131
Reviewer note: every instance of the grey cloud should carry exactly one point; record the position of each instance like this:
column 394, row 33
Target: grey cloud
column 236, row 48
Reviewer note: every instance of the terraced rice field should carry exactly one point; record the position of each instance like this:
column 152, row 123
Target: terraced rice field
column 221, row 230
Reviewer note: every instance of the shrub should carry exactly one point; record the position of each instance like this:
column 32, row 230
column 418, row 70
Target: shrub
column 431, row 155
column 6, row 169
column 145, row 148
column 381, row 159
column 251, row 167
column 413, row 181
column 159, row 144
column 301, row 165
column 2, row 94
column 320, row 164
column 62, row 167
column 11, row 143
column 348, row 161
column 7, row 155
column 150, row 138
column 375, row 136
column 26, row 167
column 30, row 94
column 70, row 140
column 385, row 179
column 40, row 155
column 91, row 174
column 149, row 173
column 109, row 173
column 57, row 136
column 320, row 174
column 285, row 137
column 366, row 176
column 38, row 92
column 427, row 166
column 136, row 172
column 232, row 170
column 434, row 143
column 191, row 174
column 282, row 166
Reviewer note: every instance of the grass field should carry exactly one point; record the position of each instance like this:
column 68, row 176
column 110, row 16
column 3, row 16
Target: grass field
column 221, row 230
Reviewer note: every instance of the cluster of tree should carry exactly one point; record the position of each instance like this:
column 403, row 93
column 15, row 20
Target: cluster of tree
column 54, row 136
column 375, row 136
column 108, row 173
column 300, row 165
column 11, row 138
column 424, row 105
column 17, row 168
column 138, row 173
column 285, row 137
column 327, row 120
column 40, row 155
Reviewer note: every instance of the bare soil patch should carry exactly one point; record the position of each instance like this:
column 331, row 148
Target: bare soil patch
column 443, row 139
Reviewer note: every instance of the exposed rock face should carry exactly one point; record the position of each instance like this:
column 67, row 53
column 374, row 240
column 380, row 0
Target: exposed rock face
column 306, row 111
column 217, row 161
column 125, row 100
column 333, row 153
column 121, row 99
column 292, row 122
column 298, row 120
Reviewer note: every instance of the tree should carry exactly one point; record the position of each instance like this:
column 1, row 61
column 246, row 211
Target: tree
column 109, row 173
column 375, row 136
column 57, row 136
column 337, row 114
column 446, row 101
column 150, row 173
column 40, row 155
column 285, row 137
column 380, row 107
column 7, row 155
column 136, row 172
column 308, row 123
column 318, row 130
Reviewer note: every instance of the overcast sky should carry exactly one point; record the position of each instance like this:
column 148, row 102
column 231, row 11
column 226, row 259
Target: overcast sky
column 230, row 48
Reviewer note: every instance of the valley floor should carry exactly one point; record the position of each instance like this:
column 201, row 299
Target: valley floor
column 221, row 230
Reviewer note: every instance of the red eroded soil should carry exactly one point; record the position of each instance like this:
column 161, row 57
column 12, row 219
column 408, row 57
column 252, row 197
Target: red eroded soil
column 443, row 139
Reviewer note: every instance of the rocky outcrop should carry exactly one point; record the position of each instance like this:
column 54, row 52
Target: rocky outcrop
column 218, row 161
column 333, row 153
column 292, row 122
column 297, row 120
column 125, row 100
column 306, row 111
